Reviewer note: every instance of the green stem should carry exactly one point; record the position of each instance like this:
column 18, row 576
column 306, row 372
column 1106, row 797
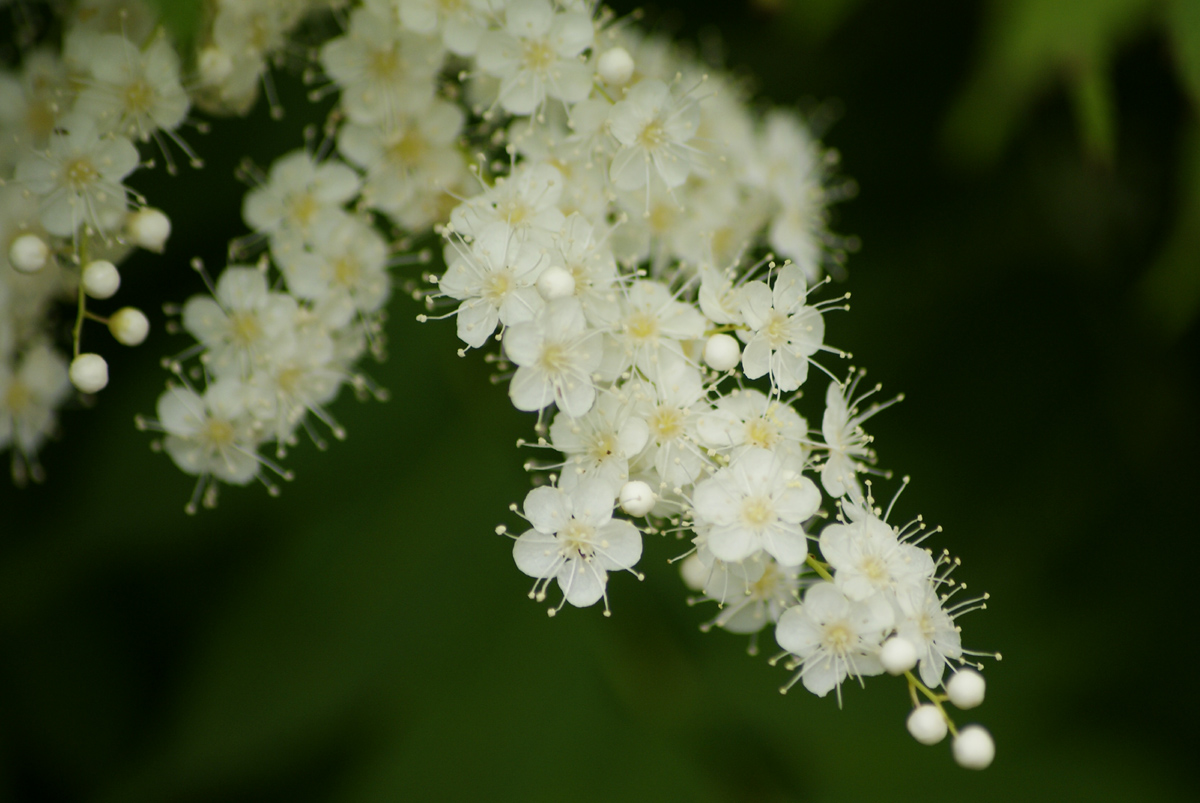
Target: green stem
column 81, row 312
column 818, row 567
column 915, row 685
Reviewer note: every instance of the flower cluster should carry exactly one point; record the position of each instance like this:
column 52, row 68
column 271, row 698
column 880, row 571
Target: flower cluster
column 76, row 120
column 650, row 255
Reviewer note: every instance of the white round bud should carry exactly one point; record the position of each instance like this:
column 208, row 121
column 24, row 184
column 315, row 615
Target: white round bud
column 722, row 353
column 973, row 748
column 926, row 724
column 898, row 655
column 89, row 373
column 149, row 228
column 555, row 282
column 695, row 573
column 28, row 253
column 100, row 279
column 965, row 688
column 636, row 498
column 129, row 326
column 215, row 65
column 615, row 66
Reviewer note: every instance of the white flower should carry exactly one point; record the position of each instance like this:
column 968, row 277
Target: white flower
column 495, row 280
column 536, row 55
column 753, row 593
column 652, row 325
column 557, row 355
column 210, row 435
column 922, row 621
column 670, row 405
column 576, row 541
column 591, row 266
column 785, row 332
column 526, row 201
column 30, row 396
column 654, row 129
column 869, row 558
column 298, row 190
column 345, row 272
column 748, row 418
column 301, row 377
column 79, row 178
column 460, row 22
column 134, row 92
column 599, row 444
column 409, row 162
column 383, row 72
column 834, row 638
column 244, row 324
column 847, row 442
column 759, row 502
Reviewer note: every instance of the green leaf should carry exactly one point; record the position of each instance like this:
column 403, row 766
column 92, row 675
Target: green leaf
column 1170, row 290
column 1096, row 113
column 182, row 18
column 1029, row 48
column 1183, row 29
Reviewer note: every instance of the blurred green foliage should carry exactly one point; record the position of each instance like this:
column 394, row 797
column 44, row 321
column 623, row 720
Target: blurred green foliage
column 1030, row 177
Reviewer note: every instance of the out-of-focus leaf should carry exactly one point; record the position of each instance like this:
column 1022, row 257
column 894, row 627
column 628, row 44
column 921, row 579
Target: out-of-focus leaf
column 1095, row 113
column 1183, row 28
column 1031, row 45
column 1170, row 290
column 182, row 18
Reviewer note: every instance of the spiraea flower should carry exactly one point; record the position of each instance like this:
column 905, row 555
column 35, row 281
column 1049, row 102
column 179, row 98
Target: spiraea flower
column 78, row 179
column 576, row 541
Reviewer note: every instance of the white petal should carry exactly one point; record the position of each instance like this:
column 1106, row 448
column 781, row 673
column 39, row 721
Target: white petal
column 548, row 509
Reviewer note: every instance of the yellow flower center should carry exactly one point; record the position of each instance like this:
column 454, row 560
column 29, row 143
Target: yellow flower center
column 18, row 398
column 496, row 287
column 641, row 325
column 757, row 510
column 409, row 150
column 554, row 358
column 244, row 329
column 666, row 423
column 837, row 637
column 760, row 433
column 80, row 172
column 139, row 97
column 538, row 56
column 652, row 136
column 217, row 434
column 346, row 271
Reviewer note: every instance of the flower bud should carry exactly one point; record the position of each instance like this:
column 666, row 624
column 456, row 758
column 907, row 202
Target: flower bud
column 965, row 688
column 149, row 228
column 722, row 353
column 695, row 573
column 129, row 326
column 28, row 253
column 89, row 373
column 555, row 282
column 926, row 724
column 215, row 65
column 636, row 498
column 615, row 66
column 974, row 748
column 100, row 279
column 898, row 655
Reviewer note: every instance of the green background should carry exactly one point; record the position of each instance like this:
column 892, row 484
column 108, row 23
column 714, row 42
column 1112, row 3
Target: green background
column 1030, row 218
